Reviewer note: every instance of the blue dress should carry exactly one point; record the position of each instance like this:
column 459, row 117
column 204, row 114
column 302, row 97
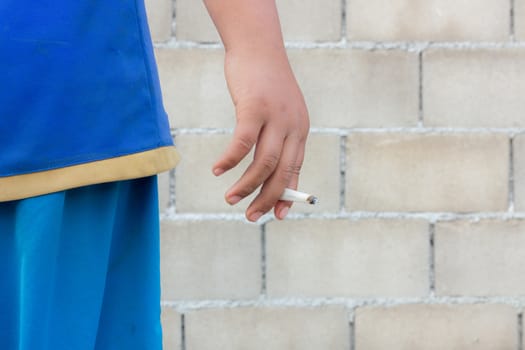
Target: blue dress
column 83, row 133
column 80, row 269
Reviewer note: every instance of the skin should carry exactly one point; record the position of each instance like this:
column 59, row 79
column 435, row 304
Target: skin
column 270, row 110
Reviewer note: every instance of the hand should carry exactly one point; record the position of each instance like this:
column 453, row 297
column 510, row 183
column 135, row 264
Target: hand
column 271, row 114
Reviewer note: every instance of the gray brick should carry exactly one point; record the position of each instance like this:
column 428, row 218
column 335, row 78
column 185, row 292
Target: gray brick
column 163, row 181
column 427, row 172
column 194, row 89
column 482, row 258
column 320, row 174
column 439, row 20
column 454, row 327
column 332, row 258
column 519, row 19
column 197, row 189
column 354, row 88
column 301, row 20
column 310, row 20
column 268, row 328
column 193, row 22
column 519, row 172
column 210, row 260
column 159, row 19
column 474, row 88
column 171, row 329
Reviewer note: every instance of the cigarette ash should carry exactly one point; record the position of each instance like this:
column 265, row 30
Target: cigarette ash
column 312, row 200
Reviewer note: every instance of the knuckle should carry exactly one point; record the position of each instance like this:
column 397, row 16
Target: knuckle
column 252, row 107
column 303, row 133
column 248, row 185
column 288, row 173
column 300, row 132
column 245, row 142
column 269, row 162
column 293, row 169
column 229, row 161
column 304, row 124
column 264, row 206
column 247, row 189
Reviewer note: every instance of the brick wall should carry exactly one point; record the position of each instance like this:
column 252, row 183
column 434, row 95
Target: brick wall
column 417, row 153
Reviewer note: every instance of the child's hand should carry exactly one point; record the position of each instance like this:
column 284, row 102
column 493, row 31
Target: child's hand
column 271, row 114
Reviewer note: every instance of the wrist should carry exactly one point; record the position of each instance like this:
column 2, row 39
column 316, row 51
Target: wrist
column 258, row 55
column 255, row 49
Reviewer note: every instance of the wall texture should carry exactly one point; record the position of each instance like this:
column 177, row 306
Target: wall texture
column 417, row 153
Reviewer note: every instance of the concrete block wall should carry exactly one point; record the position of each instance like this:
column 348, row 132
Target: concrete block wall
column 417, row 152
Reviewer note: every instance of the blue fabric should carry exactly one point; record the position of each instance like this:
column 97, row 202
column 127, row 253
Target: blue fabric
column 80, row 269
column 78, row 84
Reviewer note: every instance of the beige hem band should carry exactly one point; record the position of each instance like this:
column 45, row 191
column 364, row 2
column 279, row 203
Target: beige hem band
column 113, row 169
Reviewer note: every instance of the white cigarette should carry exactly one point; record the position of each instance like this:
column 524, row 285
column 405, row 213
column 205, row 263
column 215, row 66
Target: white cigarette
column 296, row 196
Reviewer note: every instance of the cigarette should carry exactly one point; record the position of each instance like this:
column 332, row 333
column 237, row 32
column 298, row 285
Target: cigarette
column 296, row 196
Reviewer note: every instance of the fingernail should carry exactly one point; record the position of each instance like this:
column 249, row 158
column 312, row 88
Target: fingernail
column 218, row 171
column 256, row 216
column 283, row 213
column 234, row 200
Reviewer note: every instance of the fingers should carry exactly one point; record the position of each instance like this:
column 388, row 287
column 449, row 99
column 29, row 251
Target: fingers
column 266, row 159
column 282, row 207
column 244, row 137
column 287, row 170
column 277, row 161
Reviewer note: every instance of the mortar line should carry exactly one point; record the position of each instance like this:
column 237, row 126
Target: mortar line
column 355, row 215
column 386, row 130
column 343, row 20
column 183, row 332
column 342, row 174
column 173, row 20
column 351, row 323
column 511, row 174
column 420, row 90
column 432, row 259
column 173, row 188
column 512, row 28
column 263, row 260
column 520, row 330
column 409, row 46
column 183, row 306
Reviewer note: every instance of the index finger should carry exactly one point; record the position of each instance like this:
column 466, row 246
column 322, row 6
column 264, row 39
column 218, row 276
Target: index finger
column 244, row 138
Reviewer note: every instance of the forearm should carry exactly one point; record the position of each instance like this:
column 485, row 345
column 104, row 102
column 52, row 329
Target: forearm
column 247, row 25
column 269, row 107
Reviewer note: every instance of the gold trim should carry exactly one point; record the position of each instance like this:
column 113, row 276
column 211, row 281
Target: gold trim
column 114, row 169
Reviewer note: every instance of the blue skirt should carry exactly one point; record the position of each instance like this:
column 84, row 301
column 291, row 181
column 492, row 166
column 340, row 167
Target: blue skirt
column 79, row 269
